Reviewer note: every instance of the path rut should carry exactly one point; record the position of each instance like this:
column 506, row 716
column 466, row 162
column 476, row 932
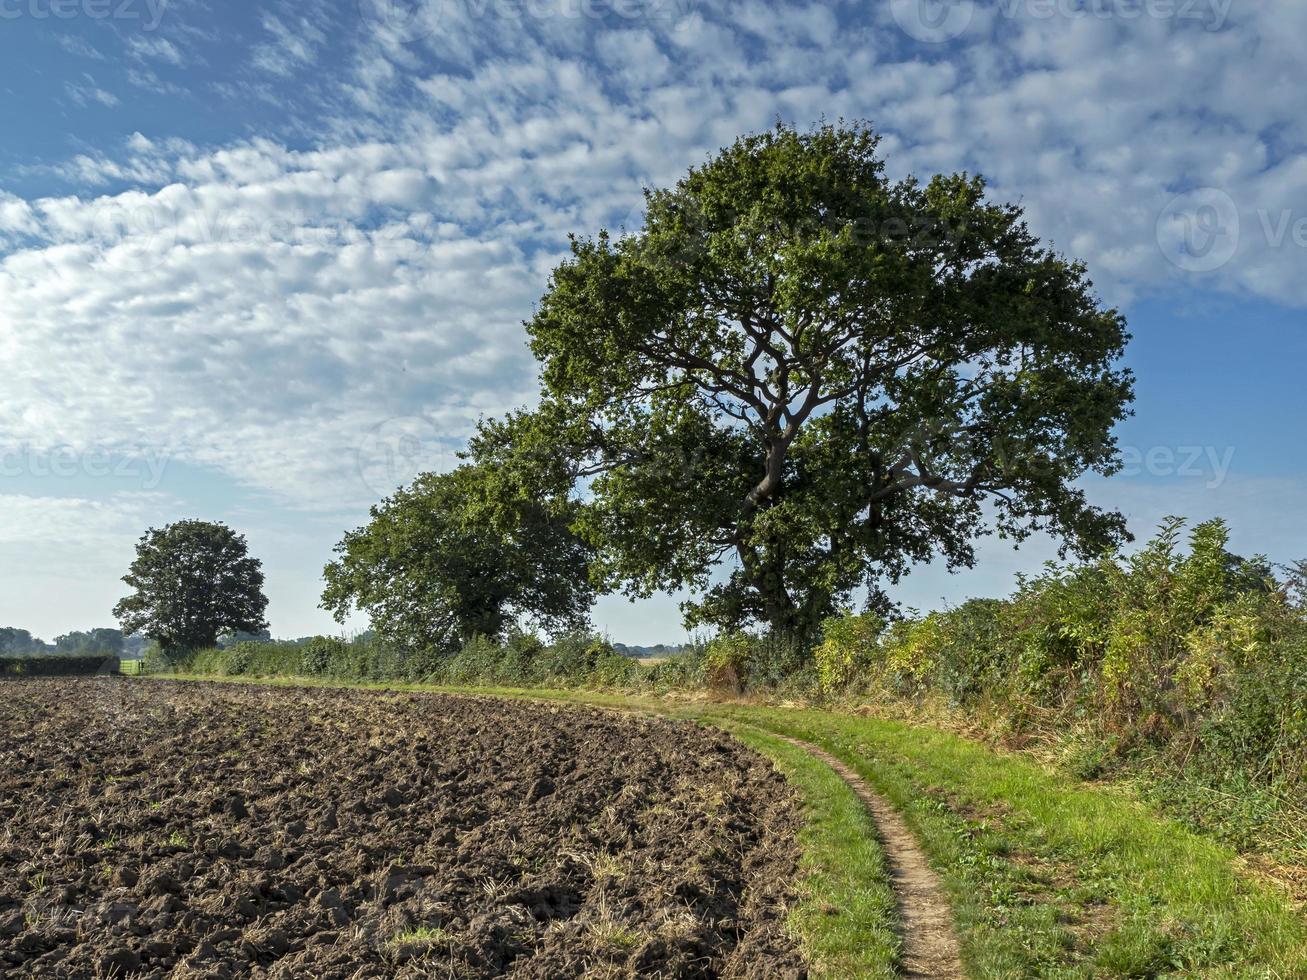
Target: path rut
column 930, row 944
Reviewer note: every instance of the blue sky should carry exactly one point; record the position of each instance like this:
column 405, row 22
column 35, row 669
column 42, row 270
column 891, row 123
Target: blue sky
column 261, row 262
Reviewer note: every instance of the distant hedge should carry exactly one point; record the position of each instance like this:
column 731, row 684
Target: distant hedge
column 575, row 660
column 58, row 665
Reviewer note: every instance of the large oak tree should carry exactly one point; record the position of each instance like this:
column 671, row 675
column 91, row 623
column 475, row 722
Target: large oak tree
column 814, row 376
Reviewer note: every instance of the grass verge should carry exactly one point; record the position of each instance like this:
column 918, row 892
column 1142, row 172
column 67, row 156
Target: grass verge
column 1049, row 877
column 1054, row 878
column 846, row 916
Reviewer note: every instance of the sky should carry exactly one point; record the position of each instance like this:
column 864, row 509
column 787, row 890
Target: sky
column 264, row 262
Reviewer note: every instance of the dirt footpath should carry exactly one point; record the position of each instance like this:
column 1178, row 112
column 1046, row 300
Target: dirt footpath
column 207, row 830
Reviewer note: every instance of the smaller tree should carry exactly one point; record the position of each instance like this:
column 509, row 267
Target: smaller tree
column 462, row 554
column 191, row 581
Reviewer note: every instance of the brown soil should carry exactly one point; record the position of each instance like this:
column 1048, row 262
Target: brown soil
column 203, row 830
column 930, row 944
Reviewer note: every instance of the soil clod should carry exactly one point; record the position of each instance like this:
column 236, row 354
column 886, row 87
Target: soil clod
column 158, row 830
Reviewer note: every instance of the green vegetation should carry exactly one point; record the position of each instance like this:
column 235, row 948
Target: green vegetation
column 822, row 374
column 16, row 642
column 1182, row 671
column 1185, row 669
column 797, row 366
column 459, row 555
column 192, row 581
column 523, row 659
column 822, row 377
column 361, row 659
column 1053, row 878
column 102, row 641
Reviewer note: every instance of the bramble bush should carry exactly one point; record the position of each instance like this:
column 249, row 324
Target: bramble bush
column 1189, row 664
column 847, row 650
column 734, row 662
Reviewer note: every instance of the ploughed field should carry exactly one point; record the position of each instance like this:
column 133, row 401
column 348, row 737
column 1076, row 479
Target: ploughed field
column 210, row 830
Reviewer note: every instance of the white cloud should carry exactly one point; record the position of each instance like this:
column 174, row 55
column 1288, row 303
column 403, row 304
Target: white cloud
column 294, row 39
column 79, row 46
column 87, row 92
column 153, row 46
column 262, row 321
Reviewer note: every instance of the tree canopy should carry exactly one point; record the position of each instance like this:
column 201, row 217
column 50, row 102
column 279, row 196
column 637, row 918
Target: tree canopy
column 101, row 640
column 15, row 641
column 461, row 554
column 191, row 581
column 817, row 376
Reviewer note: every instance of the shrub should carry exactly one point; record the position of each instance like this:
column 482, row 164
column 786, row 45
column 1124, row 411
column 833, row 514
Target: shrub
column 155, row 661
column 570, row 658
column 520, row 660
column 847, row 649
column 684, row 669
column 476, row 662
column 612, row 669
column 726, row 662
column 970, row 660
column 56, row 665
column 319, row 654
column 1189, row 664
column 778, row 660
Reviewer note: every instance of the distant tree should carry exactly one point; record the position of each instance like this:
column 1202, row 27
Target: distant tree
column 191, row 581
column 461, row 554
column 819, row 376
column 135, row 645
column 19, row 642
column 103, row 641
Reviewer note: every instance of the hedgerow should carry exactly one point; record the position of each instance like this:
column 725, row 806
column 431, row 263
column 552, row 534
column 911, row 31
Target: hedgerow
column 55, row 664
column 1185, row 664
column 522, row 660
